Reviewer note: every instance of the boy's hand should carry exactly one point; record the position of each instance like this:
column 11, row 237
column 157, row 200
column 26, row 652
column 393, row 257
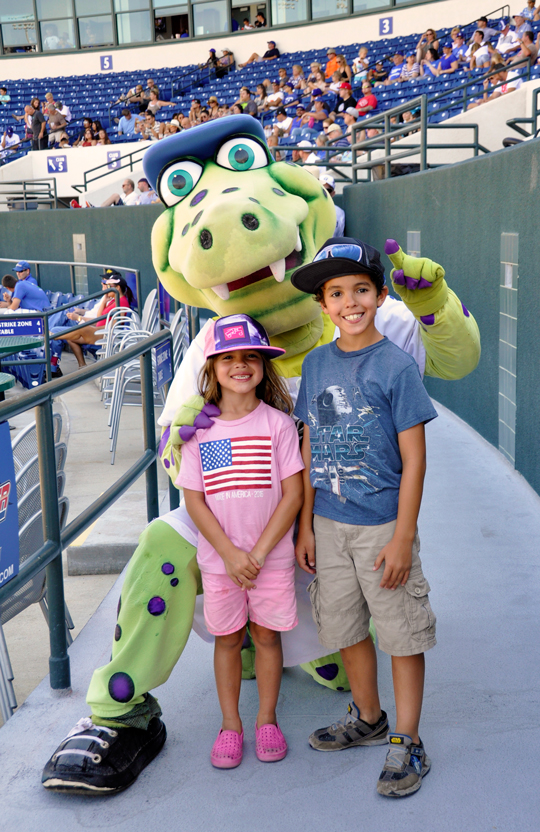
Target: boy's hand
column 305, row 550
column 397, row 557
column 241, row 568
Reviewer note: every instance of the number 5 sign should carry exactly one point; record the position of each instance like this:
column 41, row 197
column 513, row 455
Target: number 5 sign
column 105, row 62
column 57, row 164
column 386, row 25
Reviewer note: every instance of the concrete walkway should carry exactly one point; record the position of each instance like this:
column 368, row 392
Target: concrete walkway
column 480, row 527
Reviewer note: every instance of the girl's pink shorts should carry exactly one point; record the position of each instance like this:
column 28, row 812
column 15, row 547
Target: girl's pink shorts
column 272, row 604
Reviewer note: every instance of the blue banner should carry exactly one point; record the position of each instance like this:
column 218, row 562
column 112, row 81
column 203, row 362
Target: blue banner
column 9, row 516
column 164, row 363
column 22, row 326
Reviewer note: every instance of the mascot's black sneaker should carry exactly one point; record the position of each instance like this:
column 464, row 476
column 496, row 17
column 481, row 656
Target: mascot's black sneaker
column 406, row 764
column 349, row 732
column 96, row 760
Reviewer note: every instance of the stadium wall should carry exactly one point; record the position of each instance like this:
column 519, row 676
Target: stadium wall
column 320, row 34
column 461, row 212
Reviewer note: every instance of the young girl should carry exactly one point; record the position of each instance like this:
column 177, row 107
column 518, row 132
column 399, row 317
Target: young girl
column 243, row 489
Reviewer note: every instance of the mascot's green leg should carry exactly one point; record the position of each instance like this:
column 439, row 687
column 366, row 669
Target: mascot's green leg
column 154, row 621
column 329, row 670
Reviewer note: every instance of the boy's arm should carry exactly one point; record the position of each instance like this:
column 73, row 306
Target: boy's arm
column 282, row 518
column 397, row 554
column 240, row 567
column 305, row 544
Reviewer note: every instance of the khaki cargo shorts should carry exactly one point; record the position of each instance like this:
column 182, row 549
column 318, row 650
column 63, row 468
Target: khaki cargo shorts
column 346, row 591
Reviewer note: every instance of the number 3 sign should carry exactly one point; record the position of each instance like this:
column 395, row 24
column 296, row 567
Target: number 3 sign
column 386, row 25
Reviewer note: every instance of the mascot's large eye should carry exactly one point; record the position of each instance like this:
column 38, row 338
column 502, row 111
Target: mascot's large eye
column 178, row 180
column 241, row 154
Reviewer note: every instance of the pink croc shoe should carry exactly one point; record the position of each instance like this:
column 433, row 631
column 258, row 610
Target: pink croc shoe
column 270, row 744
column 227, row 749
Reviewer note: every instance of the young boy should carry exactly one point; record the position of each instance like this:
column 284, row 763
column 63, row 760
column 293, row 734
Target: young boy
column 364, row 408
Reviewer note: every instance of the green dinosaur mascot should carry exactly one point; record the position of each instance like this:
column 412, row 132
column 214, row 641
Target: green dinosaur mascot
column 236, row 225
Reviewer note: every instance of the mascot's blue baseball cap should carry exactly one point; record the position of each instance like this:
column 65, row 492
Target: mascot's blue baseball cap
column 200, row 143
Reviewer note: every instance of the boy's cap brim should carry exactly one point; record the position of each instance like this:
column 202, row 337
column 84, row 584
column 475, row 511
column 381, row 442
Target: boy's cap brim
column 310, row 277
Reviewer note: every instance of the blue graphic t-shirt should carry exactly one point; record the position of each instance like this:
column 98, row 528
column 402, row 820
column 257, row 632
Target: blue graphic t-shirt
column 355, row 404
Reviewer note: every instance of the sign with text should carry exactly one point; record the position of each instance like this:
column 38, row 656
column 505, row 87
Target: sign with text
column 105, row 62
column 163, row 364
column 21, row 326
column 386, row 25
column 112, row 158
column 57, row 164
column 9, row 516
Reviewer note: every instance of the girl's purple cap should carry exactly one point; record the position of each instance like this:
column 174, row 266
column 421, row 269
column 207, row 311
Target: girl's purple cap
column 238, row 332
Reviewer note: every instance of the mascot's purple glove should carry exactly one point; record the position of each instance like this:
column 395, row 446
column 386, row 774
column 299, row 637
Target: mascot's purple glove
column 411, row 274
column 205, row 419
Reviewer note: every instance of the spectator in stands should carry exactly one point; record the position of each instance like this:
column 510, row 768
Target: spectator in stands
column 529, row 10
column 332, row 64
column 195, row 111
column 528, row 48
column 395, row 73
column 211, row 61
column 306, row 153
column 246, row 25
column 126, row 125
column 156, row 104
column 311, row 124
column 477, row 53
column 92, row 333
column 522, row 25
column 9, row 141
column 25, row 293
column 260, row 98
column 290, row 98
column 57, row 125
column 314, row 67
column 283, row 121
column 336, row 82
column 508, row 41
column 39, row 130
column 271, row 54
column 96, row 126
column 329, row 184
column 428, row 41
column 4, row 97
column 145, row 95
column 147, row 195
column 297, row 76
column 171, row 128
column 360, row 65
column 64, row 110
column 344, row 99
column 495, row 58
column 448, row 63
column 260, row 20
column 318, row 82
column 213, row 106
column 378, row 75
column 459, row 48
column 368, row 102
column 129, row 197
column 225, row 63
column 509, row 80
column 101, row 138
column 236, row 110
column 411, row 68
column 185, row 123
column 273, row 144
column 344, row 68
column 350, row 117
column 27, row 118
column 429, row 68
column 275, row 98
column 88, row 138
column 149, row 130
column 246, row 104
column 297, row 120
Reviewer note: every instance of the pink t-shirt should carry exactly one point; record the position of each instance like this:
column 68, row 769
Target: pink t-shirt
column 239, row 466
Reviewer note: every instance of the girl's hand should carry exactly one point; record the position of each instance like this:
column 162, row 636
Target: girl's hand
column 241, row 568
column 397, row 557
column 305, row 550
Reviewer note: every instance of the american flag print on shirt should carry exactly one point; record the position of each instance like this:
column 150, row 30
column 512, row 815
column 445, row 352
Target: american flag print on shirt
column 243, row 462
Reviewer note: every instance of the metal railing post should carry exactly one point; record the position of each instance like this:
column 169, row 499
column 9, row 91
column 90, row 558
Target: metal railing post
column 423, row 133
column 138, row 287
column 59, row 659
column 387, row 163
column 72, row 278
column 149, row 433
column 47, row 346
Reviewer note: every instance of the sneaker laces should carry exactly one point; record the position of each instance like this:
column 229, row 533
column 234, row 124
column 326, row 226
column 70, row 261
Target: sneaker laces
column 341, row 724
column 85, row 724
column 395, row 758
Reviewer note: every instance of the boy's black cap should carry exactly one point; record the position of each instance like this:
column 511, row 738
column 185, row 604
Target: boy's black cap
column 338, row 256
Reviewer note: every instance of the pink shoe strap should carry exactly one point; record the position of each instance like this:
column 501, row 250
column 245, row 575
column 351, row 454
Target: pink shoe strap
column 269, row 739
column 228, row 744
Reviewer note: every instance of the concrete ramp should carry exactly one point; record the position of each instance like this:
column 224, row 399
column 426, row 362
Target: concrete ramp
column 480, row 527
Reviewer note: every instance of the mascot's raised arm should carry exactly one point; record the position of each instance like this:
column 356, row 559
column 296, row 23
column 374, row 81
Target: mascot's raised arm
column 236, row 225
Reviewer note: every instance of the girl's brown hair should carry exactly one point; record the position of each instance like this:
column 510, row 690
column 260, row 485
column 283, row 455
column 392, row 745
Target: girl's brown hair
column 271, row 390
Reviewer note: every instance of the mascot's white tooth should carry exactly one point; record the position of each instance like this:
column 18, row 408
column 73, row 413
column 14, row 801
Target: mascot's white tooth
column 278, row 270
column 298, row 246
column 222, row 291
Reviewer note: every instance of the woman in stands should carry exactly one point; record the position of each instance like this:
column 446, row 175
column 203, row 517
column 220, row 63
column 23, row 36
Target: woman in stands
column 260, row 98
column 344, row 68
column 428, row 41
column 88, row 138
column 314, row 68
column 102, row 138
column 96, row 126
column 297, row 76
column 87, row 125
column 92, row 333
column 155, row 104
column 429, row 68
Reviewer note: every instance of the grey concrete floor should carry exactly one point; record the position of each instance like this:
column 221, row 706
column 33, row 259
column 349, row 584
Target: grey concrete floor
column 479, row 526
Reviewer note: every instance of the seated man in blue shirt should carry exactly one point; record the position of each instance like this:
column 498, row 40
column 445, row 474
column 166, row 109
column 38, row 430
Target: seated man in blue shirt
column 395, row 73
column 24, row 294
column 126, row 125
column 24, row 272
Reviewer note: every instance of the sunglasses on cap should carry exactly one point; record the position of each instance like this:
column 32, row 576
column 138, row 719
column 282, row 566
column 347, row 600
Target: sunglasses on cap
column 350, row 251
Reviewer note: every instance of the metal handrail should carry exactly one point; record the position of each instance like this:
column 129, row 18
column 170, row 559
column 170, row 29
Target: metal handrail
column 130, row 155
column 74, row 263
column 532, row 120
column 55, row 540
column 41, row 195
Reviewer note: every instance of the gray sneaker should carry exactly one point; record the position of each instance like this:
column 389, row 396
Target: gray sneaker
column 405, row 766
column 350, row 731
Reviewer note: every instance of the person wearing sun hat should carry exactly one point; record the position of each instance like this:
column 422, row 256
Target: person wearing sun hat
column 364, row 408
